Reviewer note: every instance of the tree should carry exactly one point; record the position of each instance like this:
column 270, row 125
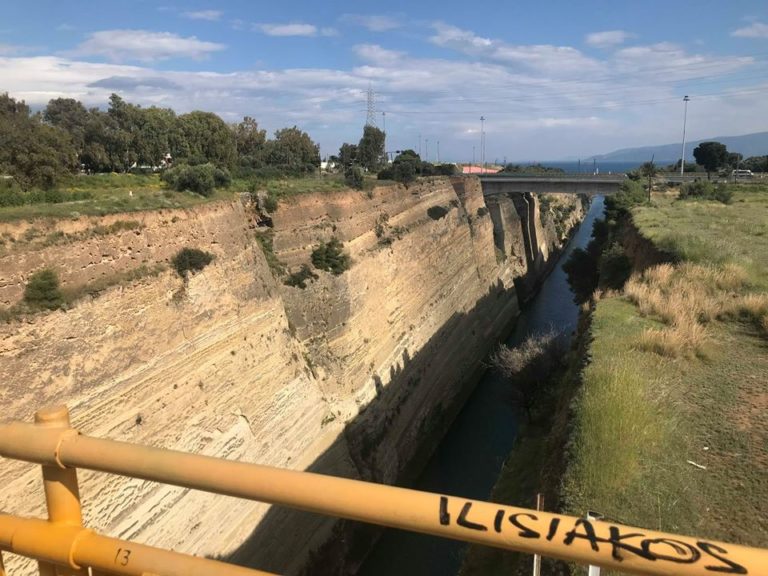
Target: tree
column 69, row 115
column 35, row 154
column 249, row 141
column 347, row 154
column 649, row 170
column 711, row 155
column 734, row 159
column 353, row 177
column 292, row 151
column 370, row 150
column 756, row 164
column 207, row 138
column 405, row 167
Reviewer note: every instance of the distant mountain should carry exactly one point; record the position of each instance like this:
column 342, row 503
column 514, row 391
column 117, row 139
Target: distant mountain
column 749, row 145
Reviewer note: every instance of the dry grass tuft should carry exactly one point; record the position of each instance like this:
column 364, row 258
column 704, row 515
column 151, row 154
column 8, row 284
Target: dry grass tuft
column 685, row 298
column 751, row 307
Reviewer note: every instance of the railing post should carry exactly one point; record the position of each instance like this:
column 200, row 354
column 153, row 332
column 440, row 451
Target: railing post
column 62, row 495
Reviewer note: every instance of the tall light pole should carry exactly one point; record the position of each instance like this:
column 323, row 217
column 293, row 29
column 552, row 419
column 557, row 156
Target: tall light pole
column 685, row 117
column 482, row 142
column 426, row 143
column 438, row 151
column 419, row 144
column 384, row 121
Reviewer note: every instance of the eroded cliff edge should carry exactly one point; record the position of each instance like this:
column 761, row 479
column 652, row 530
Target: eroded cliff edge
column 357, row 375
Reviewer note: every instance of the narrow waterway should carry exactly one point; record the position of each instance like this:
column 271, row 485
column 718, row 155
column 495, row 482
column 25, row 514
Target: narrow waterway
column 470, row 457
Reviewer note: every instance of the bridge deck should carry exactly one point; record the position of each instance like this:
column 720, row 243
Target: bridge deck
column 554, row 184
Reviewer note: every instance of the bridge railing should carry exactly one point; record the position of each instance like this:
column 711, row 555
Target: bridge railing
column 63, row 546
column 552, row 176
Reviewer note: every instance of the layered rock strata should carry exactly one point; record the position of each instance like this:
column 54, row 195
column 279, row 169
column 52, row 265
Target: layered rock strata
column 357, row 375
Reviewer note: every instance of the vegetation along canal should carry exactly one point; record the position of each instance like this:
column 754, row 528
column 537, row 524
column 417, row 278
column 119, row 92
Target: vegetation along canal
column 468, row 460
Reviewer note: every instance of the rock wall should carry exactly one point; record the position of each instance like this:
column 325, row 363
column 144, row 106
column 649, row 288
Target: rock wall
column 357, row 375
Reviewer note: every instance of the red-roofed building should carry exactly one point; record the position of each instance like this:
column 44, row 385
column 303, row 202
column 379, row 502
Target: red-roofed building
column 479, row 170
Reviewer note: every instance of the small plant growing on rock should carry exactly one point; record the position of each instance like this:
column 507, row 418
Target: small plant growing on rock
column 42, row 291
column 299, row 279
column 190, row 259
column 329, row 256
column 437, row 212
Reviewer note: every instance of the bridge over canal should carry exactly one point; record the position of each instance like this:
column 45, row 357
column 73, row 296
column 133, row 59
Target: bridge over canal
column 494, row 184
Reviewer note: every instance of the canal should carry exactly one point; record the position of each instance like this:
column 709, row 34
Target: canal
column 468, row 460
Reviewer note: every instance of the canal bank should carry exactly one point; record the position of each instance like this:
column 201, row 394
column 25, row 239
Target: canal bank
column 468, row 460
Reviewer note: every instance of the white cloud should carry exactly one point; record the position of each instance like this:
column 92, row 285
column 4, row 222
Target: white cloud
column 754, row 30
column 144, row 45
column 608, row 39
column 210, row 15
column 8, row 49
column 540, row 57
column 536, row 108
column 294, row 29
column 373, row 22
column 375, row 54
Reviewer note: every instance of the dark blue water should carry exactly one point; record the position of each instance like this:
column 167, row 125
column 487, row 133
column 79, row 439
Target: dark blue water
column 589, row 167
column 468, row 460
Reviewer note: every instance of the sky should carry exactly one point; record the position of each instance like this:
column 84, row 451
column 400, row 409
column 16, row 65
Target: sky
column 552, row 80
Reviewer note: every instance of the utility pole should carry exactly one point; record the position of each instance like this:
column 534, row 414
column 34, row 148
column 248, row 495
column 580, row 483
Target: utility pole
column 685, row 117
column 384, row 121
column 438, row 151
column 419, row 144
column 426, row 143
column 482, row 142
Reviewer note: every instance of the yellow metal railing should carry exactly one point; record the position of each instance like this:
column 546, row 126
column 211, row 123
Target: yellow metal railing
column 63, row 542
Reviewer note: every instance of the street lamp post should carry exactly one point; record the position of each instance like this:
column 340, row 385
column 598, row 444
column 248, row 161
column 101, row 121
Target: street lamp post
column 482, row 142
column 685, row 117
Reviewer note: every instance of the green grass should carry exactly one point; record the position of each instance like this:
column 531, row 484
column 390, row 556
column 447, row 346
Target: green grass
column 640, row 416
column 112, row 193
column 118, row 193
column 704, row 231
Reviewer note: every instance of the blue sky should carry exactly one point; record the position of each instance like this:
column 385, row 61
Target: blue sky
column 552, row 79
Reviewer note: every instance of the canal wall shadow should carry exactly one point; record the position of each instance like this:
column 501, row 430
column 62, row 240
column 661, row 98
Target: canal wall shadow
column 389, row 441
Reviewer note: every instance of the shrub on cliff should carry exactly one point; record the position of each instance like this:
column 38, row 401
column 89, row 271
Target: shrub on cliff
column 330, row 257
column 614, row 268
column 528, row 367
column 437, row 212
column 190, row 259
column 201, row 179
column 299, row 279
column 42, row 291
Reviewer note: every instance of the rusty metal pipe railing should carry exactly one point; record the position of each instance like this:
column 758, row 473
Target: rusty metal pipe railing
column 631, row 550
column 76, row 548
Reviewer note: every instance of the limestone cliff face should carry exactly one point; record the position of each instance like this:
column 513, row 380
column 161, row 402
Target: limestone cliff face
column 356, row 375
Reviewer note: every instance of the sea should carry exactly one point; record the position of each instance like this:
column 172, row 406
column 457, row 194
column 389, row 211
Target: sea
column 589, row 167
